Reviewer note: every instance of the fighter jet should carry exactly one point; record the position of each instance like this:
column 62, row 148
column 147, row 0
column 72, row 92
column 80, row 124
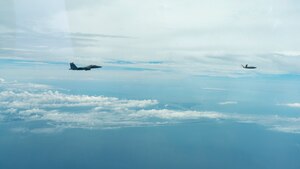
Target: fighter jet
column 248, row 67
column 74, row 67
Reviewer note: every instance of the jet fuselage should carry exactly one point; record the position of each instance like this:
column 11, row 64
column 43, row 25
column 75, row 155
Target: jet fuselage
column 248, row 67
column 74, row 67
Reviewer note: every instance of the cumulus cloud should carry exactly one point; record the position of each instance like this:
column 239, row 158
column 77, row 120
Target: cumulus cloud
column 56, row 111
column 173, row 114
column 13, row 86
column 83, row 111
column 54, row 99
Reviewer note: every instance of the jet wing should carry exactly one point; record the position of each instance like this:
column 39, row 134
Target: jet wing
column 93, row 66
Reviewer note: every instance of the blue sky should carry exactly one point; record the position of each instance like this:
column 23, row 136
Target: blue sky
column 171, row 87
column 146, row 43
column 193, row 38
column 149, row 44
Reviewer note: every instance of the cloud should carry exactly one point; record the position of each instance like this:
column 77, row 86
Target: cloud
column 90, row 35
column 288, row 129
column 227, row 102
column 180, row 115
column 55, row 99
column 9, row 87
column 36, row 130
column 34, row 102
column 185, row 36
column 294, row 105
column 16, row 50
column 56, row 111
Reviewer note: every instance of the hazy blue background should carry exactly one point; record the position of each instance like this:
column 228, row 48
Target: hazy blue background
column 171, row 93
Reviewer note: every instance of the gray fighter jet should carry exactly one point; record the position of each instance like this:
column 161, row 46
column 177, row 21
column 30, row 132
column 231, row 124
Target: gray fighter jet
column 74, row 67
column 248, row 67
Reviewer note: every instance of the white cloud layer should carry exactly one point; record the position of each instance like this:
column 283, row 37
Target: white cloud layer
column 295, row 105
column 192, row 37
column 227, row 102
column 58, row 111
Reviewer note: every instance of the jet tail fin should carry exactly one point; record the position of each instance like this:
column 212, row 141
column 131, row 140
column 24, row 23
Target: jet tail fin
column 73, row 66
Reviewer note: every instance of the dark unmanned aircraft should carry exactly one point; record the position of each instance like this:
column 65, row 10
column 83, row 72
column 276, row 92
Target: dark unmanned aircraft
column 248, row 67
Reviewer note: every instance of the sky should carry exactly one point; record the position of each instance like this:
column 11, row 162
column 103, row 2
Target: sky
column 190, row 37
column 171, row 93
